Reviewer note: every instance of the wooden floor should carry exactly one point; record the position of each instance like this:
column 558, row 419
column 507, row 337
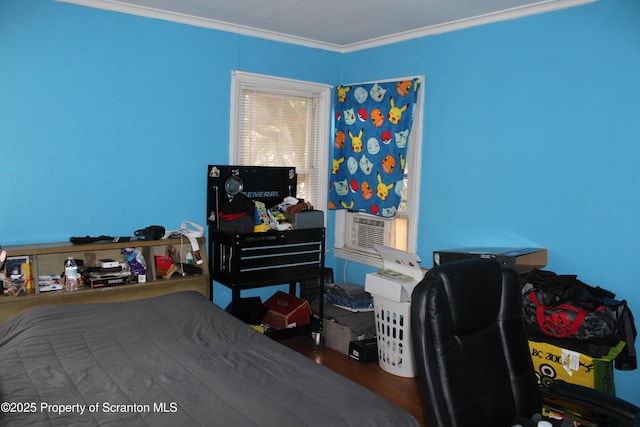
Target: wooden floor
column 404, row 392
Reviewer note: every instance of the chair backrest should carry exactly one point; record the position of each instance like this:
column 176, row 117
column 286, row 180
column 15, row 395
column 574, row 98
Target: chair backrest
column 471, row 350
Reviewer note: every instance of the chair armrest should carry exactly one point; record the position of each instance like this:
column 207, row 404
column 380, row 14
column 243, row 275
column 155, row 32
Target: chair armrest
column 625, row 412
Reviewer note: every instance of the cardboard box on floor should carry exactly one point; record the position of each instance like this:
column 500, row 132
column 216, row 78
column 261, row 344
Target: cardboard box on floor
column 286, row 311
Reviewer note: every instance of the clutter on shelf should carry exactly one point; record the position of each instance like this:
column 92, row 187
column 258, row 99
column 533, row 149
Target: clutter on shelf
column 253, row 199
column 241, row 215
column 15, row 275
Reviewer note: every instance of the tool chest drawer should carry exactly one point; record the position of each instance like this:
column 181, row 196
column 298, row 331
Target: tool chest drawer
column 253, row 259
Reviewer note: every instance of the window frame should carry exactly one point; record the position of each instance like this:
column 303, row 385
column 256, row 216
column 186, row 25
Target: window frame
column 286, row 86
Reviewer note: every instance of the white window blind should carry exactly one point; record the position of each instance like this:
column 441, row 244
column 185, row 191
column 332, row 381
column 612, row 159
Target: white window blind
column 281, row 122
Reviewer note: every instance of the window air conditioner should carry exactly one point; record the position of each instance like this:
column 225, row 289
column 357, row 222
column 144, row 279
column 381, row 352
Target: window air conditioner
column 364, row 231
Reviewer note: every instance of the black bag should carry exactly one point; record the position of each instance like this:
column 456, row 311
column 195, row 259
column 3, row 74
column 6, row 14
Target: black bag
column 152, row 232
column 566, row 311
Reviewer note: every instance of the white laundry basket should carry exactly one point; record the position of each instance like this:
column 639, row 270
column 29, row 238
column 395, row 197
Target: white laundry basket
column 391, row 289
column 393, row 332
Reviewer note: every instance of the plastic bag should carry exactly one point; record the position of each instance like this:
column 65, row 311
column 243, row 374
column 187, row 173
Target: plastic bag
column 136, row 261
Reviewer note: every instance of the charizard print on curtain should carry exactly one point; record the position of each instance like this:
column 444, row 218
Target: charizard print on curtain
column 372, row 126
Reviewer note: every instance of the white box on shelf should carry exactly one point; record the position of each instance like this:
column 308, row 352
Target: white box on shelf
column 400, row 273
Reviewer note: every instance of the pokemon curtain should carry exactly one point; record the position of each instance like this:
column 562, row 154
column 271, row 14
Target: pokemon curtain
column 372, row 125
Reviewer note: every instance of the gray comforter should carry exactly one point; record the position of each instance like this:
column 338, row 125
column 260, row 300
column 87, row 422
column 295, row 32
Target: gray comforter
column 174, row 360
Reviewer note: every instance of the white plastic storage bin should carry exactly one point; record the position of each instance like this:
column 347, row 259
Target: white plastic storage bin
column 393, row 332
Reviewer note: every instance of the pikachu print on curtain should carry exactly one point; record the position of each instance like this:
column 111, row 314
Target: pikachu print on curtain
column 372, row 126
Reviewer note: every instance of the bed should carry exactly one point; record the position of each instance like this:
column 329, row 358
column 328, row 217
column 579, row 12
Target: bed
column 170, row 360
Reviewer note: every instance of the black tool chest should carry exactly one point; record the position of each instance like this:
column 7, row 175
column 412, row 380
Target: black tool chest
column 252, row 260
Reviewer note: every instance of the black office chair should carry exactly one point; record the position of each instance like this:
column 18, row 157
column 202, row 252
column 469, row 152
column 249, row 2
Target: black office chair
column 472, row 355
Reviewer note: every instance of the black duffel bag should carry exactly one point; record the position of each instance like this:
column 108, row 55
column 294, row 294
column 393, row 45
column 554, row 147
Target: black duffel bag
column 563, row 310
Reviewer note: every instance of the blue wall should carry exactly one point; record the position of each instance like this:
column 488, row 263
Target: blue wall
column 108, row 121
column 531, row 138
column 531, row 129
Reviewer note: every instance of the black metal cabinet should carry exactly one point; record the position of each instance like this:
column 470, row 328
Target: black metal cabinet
column 255, row 260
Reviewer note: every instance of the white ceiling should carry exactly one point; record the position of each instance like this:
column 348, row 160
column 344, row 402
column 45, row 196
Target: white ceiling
column 338, row 25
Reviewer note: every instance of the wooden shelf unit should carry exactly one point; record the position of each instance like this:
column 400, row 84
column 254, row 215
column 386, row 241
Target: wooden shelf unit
column 48, row 258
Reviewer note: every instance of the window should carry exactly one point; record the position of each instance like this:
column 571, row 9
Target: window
column 357, row 233
column 282, row 122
